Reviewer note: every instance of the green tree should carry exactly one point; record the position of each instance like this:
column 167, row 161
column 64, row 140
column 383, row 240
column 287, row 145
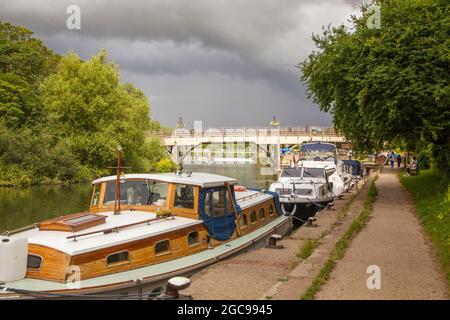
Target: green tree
column 62, row 118
column 86, row 102
column 388, row 84
column 24, row 62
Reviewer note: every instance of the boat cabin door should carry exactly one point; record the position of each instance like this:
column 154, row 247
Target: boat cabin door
column 217, row 212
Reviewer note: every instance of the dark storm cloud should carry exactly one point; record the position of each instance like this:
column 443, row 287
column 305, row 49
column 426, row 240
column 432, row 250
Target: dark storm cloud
column 192, row 57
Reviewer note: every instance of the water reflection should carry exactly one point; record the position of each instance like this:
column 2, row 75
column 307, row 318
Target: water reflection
column 23, row 206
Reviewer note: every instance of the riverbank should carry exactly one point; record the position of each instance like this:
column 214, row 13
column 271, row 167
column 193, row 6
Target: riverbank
column 430, row 192
column 392, row 257
column 279, row 273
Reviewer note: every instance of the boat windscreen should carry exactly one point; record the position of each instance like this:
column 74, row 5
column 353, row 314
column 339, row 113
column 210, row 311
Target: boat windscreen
column 318, row 156
column 313, row 173
column 291, row 172
column 137, row 192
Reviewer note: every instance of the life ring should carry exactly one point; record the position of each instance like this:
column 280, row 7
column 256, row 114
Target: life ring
column 240, row 188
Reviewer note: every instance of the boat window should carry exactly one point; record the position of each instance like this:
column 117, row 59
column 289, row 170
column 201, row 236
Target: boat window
column 96, row 196
column 118, row 257
column 253, row 217
column 218, row 200
column 34, row 261
column 271, row 210
column 215, row 203
column 243, row 220
column 262, row 213
column 162, row 247
column 207, row 205
column 193, row 238
column 184, row 196
column 313, row 173
column 318, row 155
column 291, row 172
column 137, row 192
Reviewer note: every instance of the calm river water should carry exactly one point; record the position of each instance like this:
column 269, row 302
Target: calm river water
column 23, row 206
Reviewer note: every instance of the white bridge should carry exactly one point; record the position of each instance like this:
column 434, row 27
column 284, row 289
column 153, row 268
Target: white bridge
column 239, row 145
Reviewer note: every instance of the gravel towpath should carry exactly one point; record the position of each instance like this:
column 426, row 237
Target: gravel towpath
column 395, row 241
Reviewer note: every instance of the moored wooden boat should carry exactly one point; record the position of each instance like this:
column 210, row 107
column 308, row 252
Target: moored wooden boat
column 130, row 242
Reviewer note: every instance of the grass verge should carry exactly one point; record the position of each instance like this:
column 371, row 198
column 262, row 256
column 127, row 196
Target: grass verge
column 342, row 244
column 311, row 244
column 307, row 248
column 430, row 192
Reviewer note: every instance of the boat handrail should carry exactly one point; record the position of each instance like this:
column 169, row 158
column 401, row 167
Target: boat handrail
column 117, row 228
column 26, row 228
column 253, row 195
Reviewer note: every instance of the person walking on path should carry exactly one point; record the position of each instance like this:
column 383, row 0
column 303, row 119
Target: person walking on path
column 392, row 158
column 399, row 160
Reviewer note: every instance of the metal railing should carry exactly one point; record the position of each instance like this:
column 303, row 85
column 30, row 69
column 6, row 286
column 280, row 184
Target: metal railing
column 168, row 133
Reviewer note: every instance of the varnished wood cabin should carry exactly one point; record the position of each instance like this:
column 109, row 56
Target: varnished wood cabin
column 162, row 217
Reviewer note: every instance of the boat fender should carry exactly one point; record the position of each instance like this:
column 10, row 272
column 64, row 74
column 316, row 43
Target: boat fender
column 240, row 188
column 287, row 213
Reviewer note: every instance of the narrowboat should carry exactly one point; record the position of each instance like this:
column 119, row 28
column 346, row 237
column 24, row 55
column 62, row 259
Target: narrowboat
column 139, row 231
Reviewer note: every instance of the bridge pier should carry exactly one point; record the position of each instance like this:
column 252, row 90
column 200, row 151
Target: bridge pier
column 277, row 158
column 175, row 153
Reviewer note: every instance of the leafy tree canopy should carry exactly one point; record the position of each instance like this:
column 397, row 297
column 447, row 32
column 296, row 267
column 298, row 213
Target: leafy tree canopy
column 87, row 103
column 24, row 62
column 62, row 118
column 388, row 84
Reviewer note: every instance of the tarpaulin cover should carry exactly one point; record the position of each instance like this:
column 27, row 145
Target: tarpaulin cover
column 219, row 227
column 355, row 164
column 318, row 147
column 276, row 199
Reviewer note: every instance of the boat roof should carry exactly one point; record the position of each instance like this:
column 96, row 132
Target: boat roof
column 201, row 179
column 58, row 239
column 318, row 146
column 175, row 265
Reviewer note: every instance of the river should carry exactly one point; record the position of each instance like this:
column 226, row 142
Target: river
column 23, row 206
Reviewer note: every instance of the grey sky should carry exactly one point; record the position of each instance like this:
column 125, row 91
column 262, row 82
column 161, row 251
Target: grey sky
column 226, row 62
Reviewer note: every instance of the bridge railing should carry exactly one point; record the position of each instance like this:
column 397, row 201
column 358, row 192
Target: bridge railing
column 168, row 133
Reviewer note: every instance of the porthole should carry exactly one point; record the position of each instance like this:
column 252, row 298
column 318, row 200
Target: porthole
column 34, row 261
column 162, row 247
column 193, row 238
column 262, row 213
column 121, row 256
column 243, row 220
column 253, row 218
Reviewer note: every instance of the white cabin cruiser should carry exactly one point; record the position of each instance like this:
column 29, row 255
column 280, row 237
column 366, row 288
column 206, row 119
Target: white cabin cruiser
column 325, row 155
column 307, row 184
